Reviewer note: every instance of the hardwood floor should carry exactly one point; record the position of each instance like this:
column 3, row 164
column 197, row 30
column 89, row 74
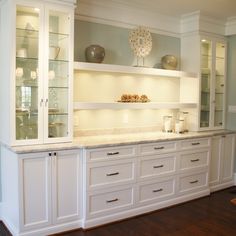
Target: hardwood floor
column 214, row 215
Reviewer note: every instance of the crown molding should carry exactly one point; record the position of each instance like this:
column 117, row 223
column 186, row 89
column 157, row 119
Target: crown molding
column 195, row 21
column 230, row 26
column 122, row 14
column 118, row 14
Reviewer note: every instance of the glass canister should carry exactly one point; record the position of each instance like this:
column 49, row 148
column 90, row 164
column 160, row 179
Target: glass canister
column 184, row 117
column 167, row 124
column 179, row 126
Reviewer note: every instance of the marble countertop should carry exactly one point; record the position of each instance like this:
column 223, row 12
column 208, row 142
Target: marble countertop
column 114, row 140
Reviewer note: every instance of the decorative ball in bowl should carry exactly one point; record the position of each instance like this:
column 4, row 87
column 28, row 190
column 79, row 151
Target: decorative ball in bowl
column 169, row 62
column 95, row 53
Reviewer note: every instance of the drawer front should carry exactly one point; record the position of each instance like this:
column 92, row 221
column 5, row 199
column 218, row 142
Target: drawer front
column 195, row 143
column 155, row 148
column 194, row 160
column 111, row 174
column 193, row 181
column 157, row 190
column 111, row 153
column 111, row 201
column 155, row 166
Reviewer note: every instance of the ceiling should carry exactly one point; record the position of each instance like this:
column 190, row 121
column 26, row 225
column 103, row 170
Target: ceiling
column 219, row 9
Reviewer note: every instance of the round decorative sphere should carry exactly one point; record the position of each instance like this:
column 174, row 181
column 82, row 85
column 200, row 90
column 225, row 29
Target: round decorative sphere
column 94, row 53
column 169, row 62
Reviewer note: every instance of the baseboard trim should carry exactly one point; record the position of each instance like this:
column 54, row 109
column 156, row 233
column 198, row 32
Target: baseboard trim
column 222, row 186
column 0, row 210
column 44, row 231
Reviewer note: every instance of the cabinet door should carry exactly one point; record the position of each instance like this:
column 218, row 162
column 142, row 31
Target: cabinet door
column 28, row 107
column 59, row 74
column 219, row 85
column 206, row 78
column 35, row 188
column 227, row 158
column 215, row 163
column 65, row 167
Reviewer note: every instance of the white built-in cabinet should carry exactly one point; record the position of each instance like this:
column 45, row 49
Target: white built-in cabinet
column 123, row 181
column 222, row 161
column 46, row 188
column 36, row 71
column 208, row 59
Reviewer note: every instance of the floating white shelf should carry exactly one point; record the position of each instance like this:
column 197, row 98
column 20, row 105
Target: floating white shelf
column 83, row 66
column 125, row 105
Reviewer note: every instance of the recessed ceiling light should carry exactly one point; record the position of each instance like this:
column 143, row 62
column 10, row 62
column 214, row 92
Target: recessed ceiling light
column 203, row 40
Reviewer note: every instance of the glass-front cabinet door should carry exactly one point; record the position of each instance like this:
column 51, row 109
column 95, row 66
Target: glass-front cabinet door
column 206, row 75
column 212, row 94
column 219, row 84
column 43, row 73
column 59, row 54
column 27, row 73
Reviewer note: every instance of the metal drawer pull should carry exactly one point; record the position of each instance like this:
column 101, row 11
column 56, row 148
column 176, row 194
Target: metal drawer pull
column 113, row 200
column 195, row 160
column 194, row 182
column 158, row 148
column 196, row 143
column 111, row 174
column 112, row 153
column 223, row 136
column 160, row 166
column 157, row 190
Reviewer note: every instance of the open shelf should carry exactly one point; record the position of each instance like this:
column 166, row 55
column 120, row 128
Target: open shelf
column 126, row 105
column 85, row 66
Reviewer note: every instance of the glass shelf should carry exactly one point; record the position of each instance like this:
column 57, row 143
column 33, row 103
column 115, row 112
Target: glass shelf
column 23, row 33
column 58, row 114
column 58, row 61
column 26, row 59
column 57, row 36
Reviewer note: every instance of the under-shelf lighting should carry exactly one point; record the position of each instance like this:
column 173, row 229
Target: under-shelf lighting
column 36, row 9
column 203, row 40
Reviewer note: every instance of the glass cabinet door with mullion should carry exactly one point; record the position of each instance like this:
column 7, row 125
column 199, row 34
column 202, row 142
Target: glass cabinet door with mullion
column 58, row 82
column 27, row 73
column 219, row 84
column 206, row 78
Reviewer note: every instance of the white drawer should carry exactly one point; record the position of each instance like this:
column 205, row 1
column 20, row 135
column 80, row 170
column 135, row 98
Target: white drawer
column 102, row 154
column 156, row 148
column 192, row 182
column 157, row 165
column 195, row 143
column 156, row 190
column 113, row 173
column 109, row 202
column 194, row 160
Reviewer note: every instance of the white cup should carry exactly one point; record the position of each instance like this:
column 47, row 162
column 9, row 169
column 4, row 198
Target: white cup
column 33, row 74
column 54, row 52
column 22, row 52
column 19, row 72
column 51, row 74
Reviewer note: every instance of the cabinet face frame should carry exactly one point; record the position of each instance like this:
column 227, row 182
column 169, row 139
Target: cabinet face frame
column 212, row 94
column 43, row 52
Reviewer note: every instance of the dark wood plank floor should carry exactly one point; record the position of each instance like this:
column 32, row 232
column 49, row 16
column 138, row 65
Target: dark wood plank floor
column 214, row 215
